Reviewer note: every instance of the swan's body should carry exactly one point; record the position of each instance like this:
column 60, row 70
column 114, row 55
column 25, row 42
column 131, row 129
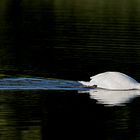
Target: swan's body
column 112, row 81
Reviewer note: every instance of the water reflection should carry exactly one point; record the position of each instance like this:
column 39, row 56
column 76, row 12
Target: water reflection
column 69, row 115
column 65, row 114
column 19, row 117
column 55, row 38
column 112, row 97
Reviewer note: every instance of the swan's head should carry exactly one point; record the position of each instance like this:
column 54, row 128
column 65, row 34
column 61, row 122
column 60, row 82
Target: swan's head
column 94, row 86
column 88, row 84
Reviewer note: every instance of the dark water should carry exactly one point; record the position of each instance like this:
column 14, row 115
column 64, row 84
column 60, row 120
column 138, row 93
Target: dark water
column 42, row 115
column 42, row 109
column 69, row 40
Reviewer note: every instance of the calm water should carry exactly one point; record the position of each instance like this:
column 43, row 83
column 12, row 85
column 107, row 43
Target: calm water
column 70, row 40
column 42, row 109
column 42, row 115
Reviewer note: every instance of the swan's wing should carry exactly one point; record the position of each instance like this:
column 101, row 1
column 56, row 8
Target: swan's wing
column 120, row 77
column 113, row 80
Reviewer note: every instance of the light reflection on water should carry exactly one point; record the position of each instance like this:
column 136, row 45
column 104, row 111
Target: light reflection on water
column 19, row 117
column 38, row 83
column 112, row 97
column 67, row 114
column 106, row 97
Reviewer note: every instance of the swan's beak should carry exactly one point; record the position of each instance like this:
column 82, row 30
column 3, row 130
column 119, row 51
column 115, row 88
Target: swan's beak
column 94, row 86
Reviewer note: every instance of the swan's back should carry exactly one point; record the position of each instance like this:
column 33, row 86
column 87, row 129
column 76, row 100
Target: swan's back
column 113, row 80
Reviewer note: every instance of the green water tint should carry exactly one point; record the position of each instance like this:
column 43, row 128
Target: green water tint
column 38, row 115
column 69, row 40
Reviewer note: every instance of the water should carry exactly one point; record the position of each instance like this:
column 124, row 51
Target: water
column 40, row 109
column 41, row 115
column 70, row 40
column 23, row 83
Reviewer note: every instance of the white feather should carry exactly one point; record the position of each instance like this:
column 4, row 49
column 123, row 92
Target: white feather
column 112, row 81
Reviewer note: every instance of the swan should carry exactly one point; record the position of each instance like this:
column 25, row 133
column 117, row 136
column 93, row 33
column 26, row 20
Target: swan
column 112, row 81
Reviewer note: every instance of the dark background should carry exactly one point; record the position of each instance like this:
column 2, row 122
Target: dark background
column 47, row 115
column 69, row 39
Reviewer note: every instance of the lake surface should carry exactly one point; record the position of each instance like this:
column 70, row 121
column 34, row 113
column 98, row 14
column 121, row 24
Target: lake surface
column 72, row 40
column 69, row 40
column 41, row 109
column 42, row 115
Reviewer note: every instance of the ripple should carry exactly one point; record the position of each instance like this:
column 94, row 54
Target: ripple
column 38, row 84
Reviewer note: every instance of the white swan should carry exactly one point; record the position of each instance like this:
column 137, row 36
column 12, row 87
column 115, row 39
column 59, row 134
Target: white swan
column 112, row 81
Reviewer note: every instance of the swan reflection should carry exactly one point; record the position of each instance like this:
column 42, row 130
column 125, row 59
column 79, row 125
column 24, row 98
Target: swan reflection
column 112, row 97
